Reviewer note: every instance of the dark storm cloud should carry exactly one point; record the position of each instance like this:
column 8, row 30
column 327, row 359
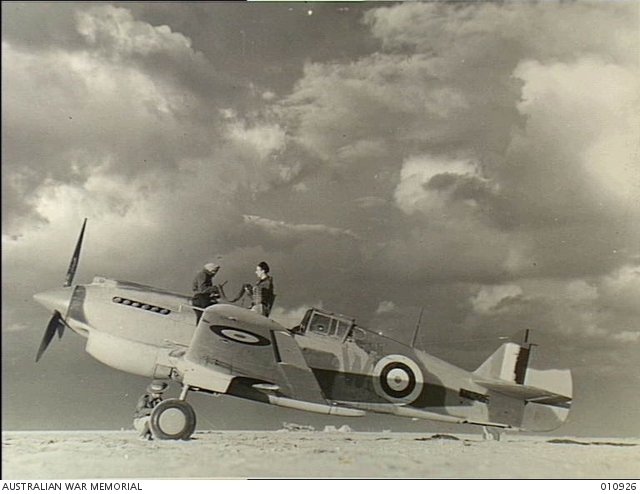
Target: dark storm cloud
column 471, row 86
column 131, row 98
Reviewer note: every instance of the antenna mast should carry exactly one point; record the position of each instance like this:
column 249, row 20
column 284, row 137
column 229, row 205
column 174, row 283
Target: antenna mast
column 415, row 334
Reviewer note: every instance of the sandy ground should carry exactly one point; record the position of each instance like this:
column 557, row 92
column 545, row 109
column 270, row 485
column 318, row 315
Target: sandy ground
column 313, row 454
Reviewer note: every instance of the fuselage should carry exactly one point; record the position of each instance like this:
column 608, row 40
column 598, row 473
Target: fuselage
column 146, row 331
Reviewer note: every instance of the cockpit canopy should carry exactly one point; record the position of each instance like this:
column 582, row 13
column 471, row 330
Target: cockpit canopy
column 321, row 322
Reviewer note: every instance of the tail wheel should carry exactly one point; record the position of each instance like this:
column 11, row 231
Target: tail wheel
column 173, row 419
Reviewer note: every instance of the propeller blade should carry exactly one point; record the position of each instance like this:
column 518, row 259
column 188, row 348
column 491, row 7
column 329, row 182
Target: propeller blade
column 49, row 333
column 60, row 328
column 73, row 265
column 63, row 324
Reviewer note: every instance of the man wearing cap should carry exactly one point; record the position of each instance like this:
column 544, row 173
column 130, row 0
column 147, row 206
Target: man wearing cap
column 205, row 292
column 146, row 403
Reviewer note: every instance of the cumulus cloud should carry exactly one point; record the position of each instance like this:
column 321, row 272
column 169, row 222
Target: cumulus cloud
column 98, row 110
column 265, row 139
column 426, row 183
column 578, row 136
column 562, row 307
column 491, row 297
column 481, row 127
column 116, row 30
column 291, row 317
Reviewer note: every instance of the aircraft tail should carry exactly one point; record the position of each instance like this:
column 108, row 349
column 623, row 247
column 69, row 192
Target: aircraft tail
column 545, row 395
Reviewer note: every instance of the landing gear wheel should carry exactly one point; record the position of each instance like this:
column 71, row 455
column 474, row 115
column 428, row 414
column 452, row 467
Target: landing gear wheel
column 173, row 419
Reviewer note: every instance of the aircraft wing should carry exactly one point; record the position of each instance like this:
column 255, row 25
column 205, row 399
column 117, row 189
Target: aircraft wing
column 233, row 347
column 241, row 343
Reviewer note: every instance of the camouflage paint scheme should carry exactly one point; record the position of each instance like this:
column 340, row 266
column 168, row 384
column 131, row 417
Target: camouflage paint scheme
column 327, row 364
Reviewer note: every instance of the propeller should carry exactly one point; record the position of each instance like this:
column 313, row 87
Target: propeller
column 57, row 322
column 73, row 265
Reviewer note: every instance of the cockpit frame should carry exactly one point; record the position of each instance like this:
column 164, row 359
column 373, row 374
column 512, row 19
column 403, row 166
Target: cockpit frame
column 319, row 322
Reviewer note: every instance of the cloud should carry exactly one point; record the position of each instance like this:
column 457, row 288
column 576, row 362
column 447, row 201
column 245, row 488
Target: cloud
column 363, row 149
column 283, row 230
column 627, row 336
column 109, row 102
column 115, row 30
column 16, row 327
column 427, row 182
column 265, row 139
column 370, row 202
column 578, row 134
column 291, row 317
column 385, row 307
column 482, row 130
column 474, row 31
column 561, row 307
column 89, row 115
column 492, row 297
column 444, row 157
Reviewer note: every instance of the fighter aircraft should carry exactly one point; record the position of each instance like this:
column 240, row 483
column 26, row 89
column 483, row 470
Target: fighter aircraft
column 327, row 364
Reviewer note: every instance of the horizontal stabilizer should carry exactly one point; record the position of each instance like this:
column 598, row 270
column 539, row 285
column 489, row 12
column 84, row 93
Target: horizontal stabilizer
column 528, row 393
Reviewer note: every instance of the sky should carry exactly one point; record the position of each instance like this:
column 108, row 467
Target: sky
column 479, row 161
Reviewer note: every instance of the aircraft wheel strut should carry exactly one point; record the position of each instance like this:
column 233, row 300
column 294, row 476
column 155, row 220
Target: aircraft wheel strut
column 173, row 419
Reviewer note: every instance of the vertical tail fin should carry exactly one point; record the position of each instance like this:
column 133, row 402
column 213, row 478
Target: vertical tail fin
column 508, row 363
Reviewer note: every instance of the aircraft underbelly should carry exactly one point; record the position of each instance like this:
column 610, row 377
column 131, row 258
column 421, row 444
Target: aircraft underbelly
column 122, row 354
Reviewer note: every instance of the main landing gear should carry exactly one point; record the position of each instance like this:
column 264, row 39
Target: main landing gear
column 173, row 418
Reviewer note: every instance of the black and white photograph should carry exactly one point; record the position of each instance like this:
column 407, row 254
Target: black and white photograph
column 321, row 240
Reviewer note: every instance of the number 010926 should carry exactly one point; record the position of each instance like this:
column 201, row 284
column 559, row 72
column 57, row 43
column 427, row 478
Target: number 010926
column 618, row 486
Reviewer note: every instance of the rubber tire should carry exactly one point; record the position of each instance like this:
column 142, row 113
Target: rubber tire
column 173, row 404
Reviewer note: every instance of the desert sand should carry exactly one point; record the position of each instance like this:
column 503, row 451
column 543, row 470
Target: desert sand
column 333, row 453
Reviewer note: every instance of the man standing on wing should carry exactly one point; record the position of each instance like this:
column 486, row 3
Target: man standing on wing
column 205, row 293
column 262, row 293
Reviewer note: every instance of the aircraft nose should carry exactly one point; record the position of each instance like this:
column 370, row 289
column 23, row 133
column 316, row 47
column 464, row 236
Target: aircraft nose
column 57, row 299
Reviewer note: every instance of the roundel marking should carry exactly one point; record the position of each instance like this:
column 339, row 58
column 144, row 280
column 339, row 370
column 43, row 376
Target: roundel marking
column 240, row 336
column 397, row 378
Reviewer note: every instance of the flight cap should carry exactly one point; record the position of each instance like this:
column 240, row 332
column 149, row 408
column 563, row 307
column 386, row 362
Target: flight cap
column 211, row 266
